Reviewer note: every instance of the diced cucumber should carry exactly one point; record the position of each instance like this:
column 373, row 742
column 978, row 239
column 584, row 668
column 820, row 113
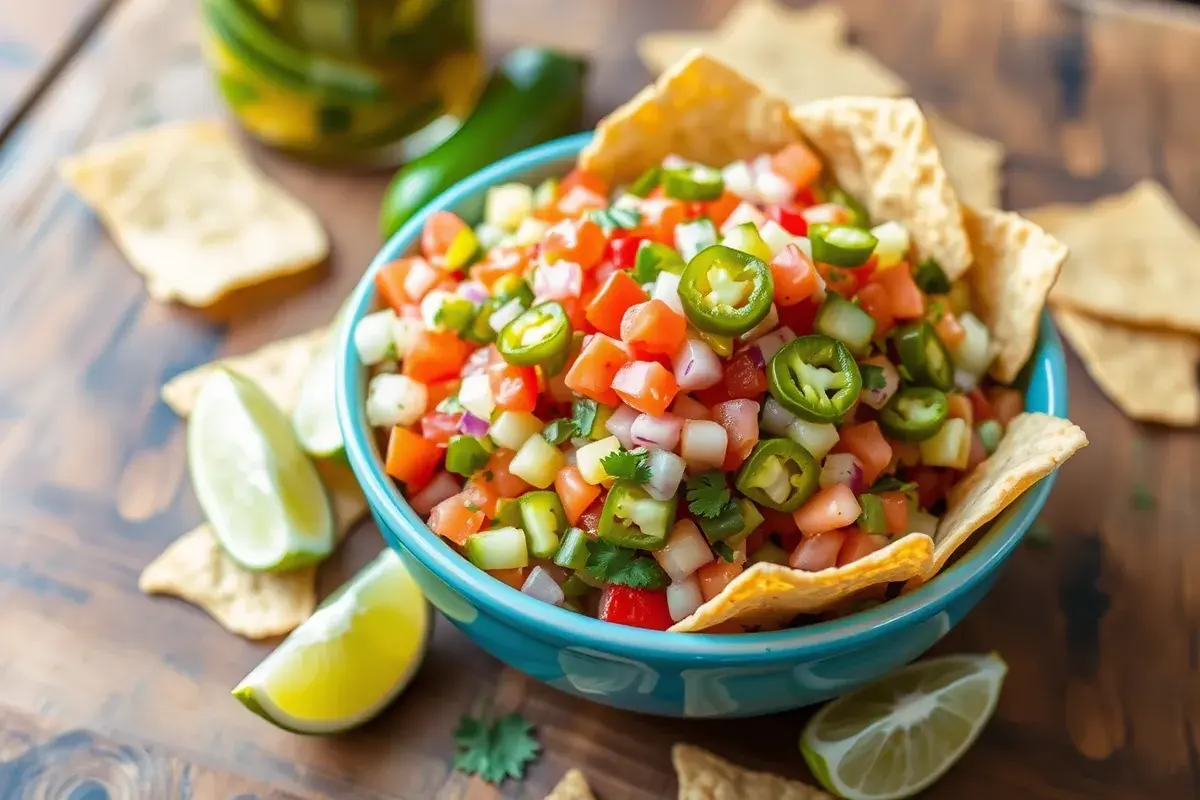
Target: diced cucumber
column 893, row 243
column 745, row 237
column 843, row 320
column 990, row 432
column 544, row 520
column 511, row 429
column 949, row 447
column 818, row 438
column 574, row 586
column 974, row 353
column 572, row 551
column 498, row 548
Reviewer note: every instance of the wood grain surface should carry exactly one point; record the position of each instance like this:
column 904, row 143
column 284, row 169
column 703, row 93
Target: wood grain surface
column 105, row 693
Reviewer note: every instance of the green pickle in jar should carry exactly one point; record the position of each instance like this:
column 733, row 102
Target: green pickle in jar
column 352, row 81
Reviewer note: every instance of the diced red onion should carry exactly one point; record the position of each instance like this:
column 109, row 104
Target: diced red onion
column 542, row 586
column 620, row 425
column 666, row 473
column 474, row 291
column 776, row 419
column 697, row 366
column 815, row 553
column 473, row 425
column 442, row 487
column 703, row 444
column 842, row 468
column 922, row 522
column 661, row 432
column 756, row 356
column 878, row 398
column 558, row 281
column 684, row 598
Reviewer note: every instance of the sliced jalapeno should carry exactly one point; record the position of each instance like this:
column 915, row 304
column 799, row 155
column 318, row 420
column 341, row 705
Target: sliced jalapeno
column 841, row 245
column 726, row 291
column 541, row 335
column 914, row 413
column 693, row 183
column 779, row 474
column 930, row 278
column 632, row 518
column 924, row 360
column 836, row 194
column 647, row 182
column 814, row 377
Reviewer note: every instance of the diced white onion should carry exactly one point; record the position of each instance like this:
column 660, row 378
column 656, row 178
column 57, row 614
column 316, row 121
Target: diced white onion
column 666, row 289
column 507, row 205
column 965, row 380
column 684, row 598
column 768, row 324
column 832, row 213
column 842, row 468
column 558, row 281
column 772, row 343
column 743, row 213
column 817, row 438
column 489, row 236
column 775, row 418
column 703, row 443
column 431, row 306
column 692, row 237
column 660, row 432
column 442, row 487
column 620, row 425
column 420, row 279
column 676, row 161
column 530, row 231
column 627, row 200
column 666, row 472
column 805, row 246
column 373, row 337
column 405, row 331
column 973, row 353
column 878, row 398
column 395, row 400
column 893, row 243
column 685, row 552
column 475, row 394
column 540, row 584
column 697, row 366
column 773, row 189
column 740, row 180
column 775, row 236
column 505, row 314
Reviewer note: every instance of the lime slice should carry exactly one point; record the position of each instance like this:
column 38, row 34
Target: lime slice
column 315, row 416
column 349, row 659
column 895, row 737
column 261, row 494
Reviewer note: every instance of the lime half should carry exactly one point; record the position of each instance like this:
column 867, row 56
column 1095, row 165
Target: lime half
column 261, row 494
column 350, row 659
column 315, row 415
column 895, row 737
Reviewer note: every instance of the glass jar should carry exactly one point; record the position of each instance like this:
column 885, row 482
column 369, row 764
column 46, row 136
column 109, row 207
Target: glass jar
column 357, row 81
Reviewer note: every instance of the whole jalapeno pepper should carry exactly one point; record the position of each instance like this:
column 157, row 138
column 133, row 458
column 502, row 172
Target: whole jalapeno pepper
column 815, row 377
column 726, row 291
column 914, row 413
column 924, row 360
column 779, row 474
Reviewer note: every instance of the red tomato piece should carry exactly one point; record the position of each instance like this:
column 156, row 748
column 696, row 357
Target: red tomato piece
column 441, row 390
column 838, row 279
column 782, row 525
column 595, row 368
column 743, row 380
column 874, row 300
column 389, row 282
column 716, row 575
column 411, row 459
column 712, row 395
column 797, row 164
column 660, row 217
column 639, row 608
column 647, row 386
column 614, row 298
column 981, row 407
column 506, row 484
column 578, row 240
column 739, row 418
column 589, row 520
column 500, row 261
column 577, row 201
column 435, row 356
column 482, row 491
column 575, row 493
column 829, row 509
column 438, row 427
column 959, row 407
column 653, row 327
column 867, row 443
column 513, row 388
column 859, row 545
column 799, row 317
column 513, row 577
column 977, row 454
column 931, row 484
column 688, row 407
column 895, row 511
column 794, row 275
column 719, row 210
column 815, row 553
column 949, row 330
column 456, row 518
column 439, row 234
column 789, row 218
column 582, row 177
column 1006, row 404
column 902, row 290
column 623, row 251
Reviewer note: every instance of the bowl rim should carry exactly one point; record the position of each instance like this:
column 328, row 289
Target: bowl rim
column 397, row 519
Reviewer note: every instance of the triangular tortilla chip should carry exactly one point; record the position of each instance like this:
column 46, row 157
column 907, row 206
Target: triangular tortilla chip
column 772, row 593
column 699, row 109
column 703, row 776
column 1150, row 374
column 192, row 214
column 974, row 163
column 1034, row 445
column 1016, row 263
column 882, row 153
column 573, row 786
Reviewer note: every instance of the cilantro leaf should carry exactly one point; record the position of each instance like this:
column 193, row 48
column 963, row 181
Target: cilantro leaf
column 873, row 378
column 611, row 563
column 641, row 573
column 616, row 217
column 495, row 752
column 890, row 483
column 628, row 464
column 708, row 493
column 558, row 431
column 583, row 416
column 724, row 551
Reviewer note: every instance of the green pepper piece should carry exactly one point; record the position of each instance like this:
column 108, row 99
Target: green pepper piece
column 721, row 345
column 779, row 474
column 512, row 287
column 653, row 258
column 574, row 586
column 930, row 278
column 466, row 455
column 804, row 372
column 692, row 183
column 544, row 520
column 859, row 216
column 734, row 524
column 508, row 513
column 572, row 550
column 632, row 518
column 726, row 291
column 647, row 182
column 480, row 331
column 540, row 335
column 924, row 360
column 841, row 245
column 914, row 413
column 871, row 518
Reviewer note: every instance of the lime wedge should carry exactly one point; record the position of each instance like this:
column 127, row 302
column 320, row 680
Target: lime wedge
column 261, row 494
column 895, row 737
column 315, row 416
column 349, row 659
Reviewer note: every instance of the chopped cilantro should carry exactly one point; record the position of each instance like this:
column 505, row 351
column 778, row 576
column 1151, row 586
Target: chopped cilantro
column 610, row 563
column 873, row 378
column 495, row 752
column 890, row 483
column 930, row 278
column 583, row 416
column 708, row 494
column 616, row 217
column 1143, row 498
column 628, row 464
column 724, row 551
column 558, row 431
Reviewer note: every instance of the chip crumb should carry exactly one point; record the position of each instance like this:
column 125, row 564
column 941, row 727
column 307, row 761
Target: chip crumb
column 704, row 776
column 573, row 786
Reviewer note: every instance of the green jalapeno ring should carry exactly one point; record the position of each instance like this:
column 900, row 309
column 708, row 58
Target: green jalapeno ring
column 739, row 299
column 693, row 183
column 841, row 245
column 923, row 356
column 914, row 414
column 801, row 374
column 775, row 468
column 540, row 335
column 632, row 518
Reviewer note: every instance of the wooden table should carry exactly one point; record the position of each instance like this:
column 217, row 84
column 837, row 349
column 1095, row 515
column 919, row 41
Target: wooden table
column 103, row 690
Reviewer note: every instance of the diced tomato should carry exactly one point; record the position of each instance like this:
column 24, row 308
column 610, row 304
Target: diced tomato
column 456, row 518
column 593, row 372
column 782, row 525
column 931, row 484
column 482, row 491
column 623, row 250
column 977, row 454
column 874, row 300
column 743, row 380
column 577, row 201
column 411, row 459
column 688, row 407
column 574, row 307
column 440, row 390
column 716, row 575
column 895, row 511
column 789, row 218
column 435, row 356
column 949, row 330
column 866, row 442
column 389, row 282
column 438, row 427
column 838, row 279
column 575, row 493
column 815, row 553
column 513, row 577
column 478, row 362
column 589, row 520
column 719, row 210
column 902, row 290
column 653, row 327
column 582, row 177
column 800, row 317
column 712, row 395
column 639, row 608
column 500, row 261
column 959, row 407
column 645, row 385
column 615, row 297
column 859, row 545
column 439, row 234
column 829, row 509
column 795, row 276
column 578, row 240
column 806, row 197
column 907, row 454
column 981, row 407
column 661, row 216
column 739, row 418
column 514, row 388
column 1006, row 404
column 507, row 484
column 797, row 164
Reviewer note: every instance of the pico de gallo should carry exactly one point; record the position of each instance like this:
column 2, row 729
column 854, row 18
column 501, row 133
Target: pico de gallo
column 617, row 399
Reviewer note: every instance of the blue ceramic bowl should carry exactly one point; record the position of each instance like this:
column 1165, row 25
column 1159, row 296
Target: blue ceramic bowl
column 670, row 674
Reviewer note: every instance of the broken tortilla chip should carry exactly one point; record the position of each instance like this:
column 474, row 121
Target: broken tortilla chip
column 1034, row 445
column 771, row 593
column 1150, row 375
column 699, row 109
column 573, row 786
column 1016, row 263
column 974, row 163
column 881, row 152
column 704, row 776
column 192, row 214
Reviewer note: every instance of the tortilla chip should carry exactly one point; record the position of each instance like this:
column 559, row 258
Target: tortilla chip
column 771, row 593
column 974, row 163
column 703, row 776
column 699, row 109
column 1133, row 260
column 881, row 152
column 1033, row 446
column 573, row 786
column 278, row 368
column 1016, row 263
column 192, row 214
column 1150, row 374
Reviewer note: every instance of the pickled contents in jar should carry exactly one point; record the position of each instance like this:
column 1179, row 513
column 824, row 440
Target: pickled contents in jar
column 371, row 81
